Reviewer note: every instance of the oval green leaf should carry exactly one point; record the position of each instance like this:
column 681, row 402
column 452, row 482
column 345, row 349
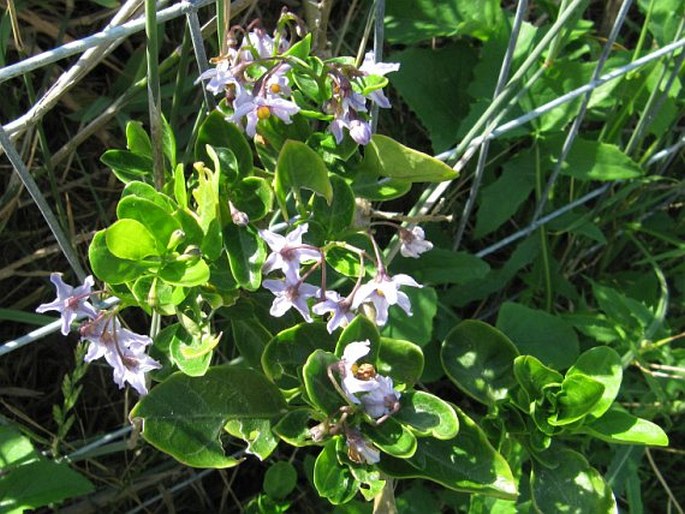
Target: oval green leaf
column 129, row 239
column 428, row 415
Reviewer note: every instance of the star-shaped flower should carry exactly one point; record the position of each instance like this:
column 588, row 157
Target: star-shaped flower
column 288, row 252
column 384, row 291
column 413, row 242
column 382, row 400
column 351, row 384
column 255, row 108
column 370, row 67
column 71, row 302
column 338, row 307
column 290, row 295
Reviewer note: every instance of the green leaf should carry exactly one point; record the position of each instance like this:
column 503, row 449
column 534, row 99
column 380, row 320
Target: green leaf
column 301, row 49
column 301, row 167
column 577, row 398
column 206, row 195
column 317, row 383
column 479, row 359
column 367, row 184
column 442, row 266
column 533, row 376
column 261, row 442
column 466, row 463
column 168, row 143
column 159, row 223
column 401, row 360
column 217, row 131
column 538, row 333
column 137, row 140
column 253, row 196
column 435, row 89
column 602, row 364
column 289, row 350
column 29, row 481
column 185, row 416
column 337, row 215
column 427, row 415
column 110, row 268
column 594, row 160
column 180, row 190
column 185, row 273
column 360, row 328
column 617, row 426
column 128, row 166
column 246, row 254
column 391, row 437
column 250, row 337
column 281, row 478
column 333, row 480
column 223, row 161
column 129, row 239
column 146, row 191
column 293, row 428
column 190, row 356
column 571, row 486
column 418, row 327
column 412, row 21
column 392, row 159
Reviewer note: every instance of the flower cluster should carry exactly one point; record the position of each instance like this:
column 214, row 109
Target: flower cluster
column 256, row 77
column 289, row 254
column 123, row 349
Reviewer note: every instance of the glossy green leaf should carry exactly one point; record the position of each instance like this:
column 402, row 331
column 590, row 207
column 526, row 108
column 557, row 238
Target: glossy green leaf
column 261, row 441
column 441, row 266
column 577, row 398
column 128, row 166
column 538, row 333
column 185, row 416
column 301, row 167
column 217, row 131
column 389, row 158
column 368, row 184
column 289, row 350
column 360, row 328
column 617, row 426
column 571, row 486
column 148, row 192
column 604, row 365
column 159, row 223
column 168, row 143
column 224, row 161
column 479, row 359
column 317, row 383
column 280, row 479
column 401, row 360
column 164, row 298
column 253, row 196
column 337, row 215
column 192, row 357
column 333, row 480
column 180, row 190
column 129, row 239
column 185, row 273
column 293, row 428
column 533, row 376
column 206, row 195
column 427, row 415
column 302, row 48
column 250, row 337
column 466, row 463
column 392, row 438
column 418, row 327
column 246, row 254
column 110, row 268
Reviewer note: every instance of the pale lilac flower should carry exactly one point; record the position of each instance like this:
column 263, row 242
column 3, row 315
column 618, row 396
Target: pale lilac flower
column 71, row 302
column 384, row 291
column 338, row 307
column 278, row 85
column 382, row 400
column 220, row 77
column 123, row 350
column 255, row 108
column 288, row 252
column 290, row 295
column 370, row 67
column 262, row 44
column 360, row 131
column 360, row 450
column 413, row 242
column 349, row 369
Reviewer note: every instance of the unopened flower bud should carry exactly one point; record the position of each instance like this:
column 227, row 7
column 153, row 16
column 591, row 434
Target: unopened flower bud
column 176, row 238
column 239, row 217
column 319, row 431
column 191, row 255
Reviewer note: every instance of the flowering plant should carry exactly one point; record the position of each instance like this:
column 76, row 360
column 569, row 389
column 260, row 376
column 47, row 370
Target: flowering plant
column 268, row 252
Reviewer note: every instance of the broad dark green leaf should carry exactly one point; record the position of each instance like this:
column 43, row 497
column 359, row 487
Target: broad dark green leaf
column 250, row 337
column 533, row 376
column 217, row 131
column 280, row 479
column 401, row 360
column 466, row 463
column 604, row 365
column 418, row 327
column 617, row 426
column 577, row 398
column 360, row 328
column 427, row 415
column 128, row 166
column 317, row 382
column 301, row 167
column 261, row 441
column 571, row 486
column 391, row 437
column 442, row 266
column 293, row 428
column 189, row 355
column 479, row 359
column 289, row 350
column 110, row 268
column 185, row 416
column 337, row 216
column 538, row 333
column 333, row 480
column 185, row 273
column 253, row 196
column 246, row 254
